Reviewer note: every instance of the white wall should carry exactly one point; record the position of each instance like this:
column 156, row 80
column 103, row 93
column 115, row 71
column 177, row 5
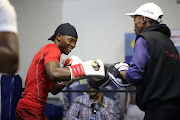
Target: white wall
column 101, row 25
column 37, row 21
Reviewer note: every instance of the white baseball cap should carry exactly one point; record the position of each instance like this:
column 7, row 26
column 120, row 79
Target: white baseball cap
column 149, row 10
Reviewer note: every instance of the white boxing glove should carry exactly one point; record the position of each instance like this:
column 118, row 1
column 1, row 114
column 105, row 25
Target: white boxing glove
column 81, row 70
column 121, row 66
column 87, row 69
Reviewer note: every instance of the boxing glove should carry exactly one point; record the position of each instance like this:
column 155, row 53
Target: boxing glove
column 81, row 70
column 72, row 61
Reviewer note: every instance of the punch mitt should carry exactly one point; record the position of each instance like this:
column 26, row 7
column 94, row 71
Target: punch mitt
column 111, row 77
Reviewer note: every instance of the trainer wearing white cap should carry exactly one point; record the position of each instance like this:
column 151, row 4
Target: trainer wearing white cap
column 154, row 68
column 149, row 10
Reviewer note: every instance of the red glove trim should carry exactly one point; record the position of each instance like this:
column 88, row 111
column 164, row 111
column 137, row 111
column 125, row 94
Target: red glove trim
column 67, row 62
column 77, row 70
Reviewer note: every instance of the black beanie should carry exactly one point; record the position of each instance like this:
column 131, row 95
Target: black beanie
column 65, row 29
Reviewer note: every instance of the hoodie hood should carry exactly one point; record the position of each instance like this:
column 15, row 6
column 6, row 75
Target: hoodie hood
column 159, row 27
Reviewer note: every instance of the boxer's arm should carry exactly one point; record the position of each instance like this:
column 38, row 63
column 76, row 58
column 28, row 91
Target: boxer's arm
column 56, row 73
column 79, row 71
column 56, row 88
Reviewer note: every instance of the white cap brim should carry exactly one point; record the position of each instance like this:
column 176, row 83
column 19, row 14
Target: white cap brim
column 131, row 14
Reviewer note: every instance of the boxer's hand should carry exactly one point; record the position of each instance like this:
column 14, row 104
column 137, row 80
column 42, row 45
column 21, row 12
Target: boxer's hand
column 80, row 70
column 71, row 61
column 121, row 66
column 87, row 69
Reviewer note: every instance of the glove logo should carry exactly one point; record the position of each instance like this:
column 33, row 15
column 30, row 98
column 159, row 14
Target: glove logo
column 95, row 65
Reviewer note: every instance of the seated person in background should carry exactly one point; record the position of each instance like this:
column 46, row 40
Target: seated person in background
column 132, row 112
column 92, row 106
